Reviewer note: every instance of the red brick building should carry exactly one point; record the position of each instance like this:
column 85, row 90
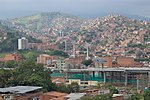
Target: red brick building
column 125, row 61
column 108, row 62
column 76, row 60
column 10, row 57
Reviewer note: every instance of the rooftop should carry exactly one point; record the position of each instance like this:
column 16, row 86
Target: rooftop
column 121, row 69
column 19, row 89
column 117, row 95
column 75, row 96
column 56, row 74
column 58, row 94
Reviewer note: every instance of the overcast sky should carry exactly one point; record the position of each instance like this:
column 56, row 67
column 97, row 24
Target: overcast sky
column 86, row 8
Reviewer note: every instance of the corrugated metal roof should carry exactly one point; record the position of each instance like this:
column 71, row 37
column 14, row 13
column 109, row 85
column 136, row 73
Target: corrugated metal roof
column 19, row 89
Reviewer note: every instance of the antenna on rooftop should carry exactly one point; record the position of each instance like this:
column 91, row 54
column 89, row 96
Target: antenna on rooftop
column 74, row 50
column 65, row 45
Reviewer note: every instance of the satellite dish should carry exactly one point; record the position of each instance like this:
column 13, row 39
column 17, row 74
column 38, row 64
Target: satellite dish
column 100, row 60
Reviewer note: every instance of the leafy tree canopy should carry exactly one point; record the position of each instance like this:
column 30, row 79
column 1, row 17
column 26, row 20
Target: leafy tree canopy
column 5, row 77
column 72, row 88
column 146, row 95
column 87, row 62
column 27, row 73
column 10, row 64
column 30, row 73
column 136, row 96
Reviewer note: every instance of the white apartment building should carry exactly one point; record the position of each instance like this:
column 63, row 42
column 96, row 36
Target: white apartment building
column 22, row 43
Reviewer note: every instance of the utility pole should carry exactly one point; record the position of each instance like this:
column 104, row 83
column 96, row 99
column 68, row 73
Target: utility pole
column 138, row 81
column 87, row 51
column 74, row 50
column 65, row 45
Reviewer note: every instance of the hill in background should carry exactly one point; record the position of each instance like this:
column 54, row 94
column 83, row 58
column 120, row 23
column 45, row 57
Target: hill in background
column 103, row 33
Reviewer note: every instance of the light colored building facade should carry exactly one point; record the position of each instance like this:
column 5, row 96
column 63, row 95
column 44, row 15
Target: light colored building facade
column 22, row 43
column 46, row 59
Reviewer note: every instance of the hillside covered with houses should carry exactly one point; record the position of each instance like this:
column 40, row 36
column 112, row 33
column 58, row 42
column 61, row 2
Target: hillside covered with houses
column 56, row 56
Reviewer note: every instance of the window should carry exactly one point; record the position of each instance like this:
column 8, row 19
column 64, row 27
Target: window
column 84, row 82
column 101, row 92
column 36, row 98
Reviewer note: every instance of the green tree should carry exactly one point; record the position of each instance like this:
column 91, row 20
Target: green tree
column 30, row 55
column 5, row 77
column 113, row 90
column 87, row 62
column 63, row 88
column 10, row 64
column 9, row 44
column 30, row 73
column 58, row 53
column 73, row 87
column 1, row 64
column 136, row 96
column 146, row 95
column 104, row 97
column 33, row 40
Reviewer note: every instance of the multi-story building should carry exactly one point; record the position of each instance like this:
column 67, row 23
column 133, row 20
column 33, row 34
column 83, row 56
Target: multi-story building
column 42, row 46
column 22, row 43
column 60, row 63
column 46, row 59
column 74, row 61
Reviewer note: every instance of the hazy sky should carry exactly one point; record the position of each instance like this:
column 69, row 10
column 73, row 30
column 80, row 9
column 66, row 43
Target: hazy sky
column 86, row 8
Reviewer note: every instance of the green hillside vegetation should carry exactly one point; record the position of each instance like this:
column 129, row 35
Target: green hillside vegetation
column 31, row 55
column 147, row 37
column 10, row 43
column 90, row 28
column 109, row 31
column 37, row 22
